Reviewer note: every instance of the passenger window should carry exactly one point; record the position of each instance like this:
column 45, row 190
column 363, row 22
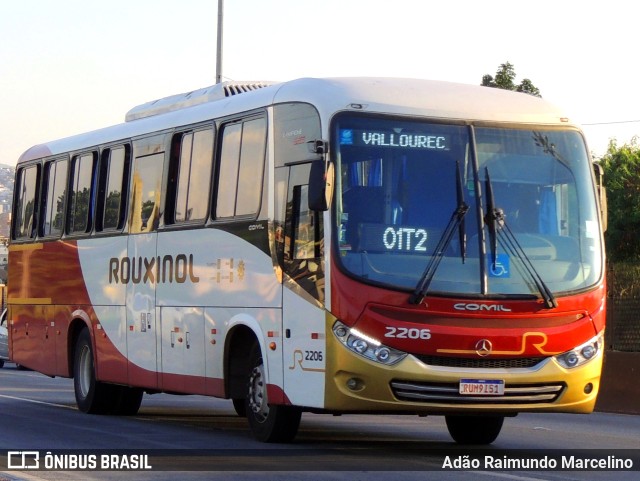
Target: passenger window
column 80, row 200
column 56, row 191
column 26, row 197
column 145, row 194
column 114, row 183
column 228, row 174
column 254, row 135
column 194, row 175
column 240, row 176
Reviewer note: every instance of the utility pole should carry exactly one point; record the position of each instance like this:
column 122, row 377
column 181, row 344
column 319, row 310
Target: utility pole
column 219, row 49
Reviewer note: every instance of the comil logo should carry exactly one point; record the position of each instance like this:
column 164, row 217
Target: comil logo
column 472, row 306
column 23, row 460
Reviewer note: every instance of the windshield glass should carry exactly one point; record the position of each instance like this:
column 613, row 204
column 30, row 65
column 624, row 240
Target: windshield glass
column 398, row 189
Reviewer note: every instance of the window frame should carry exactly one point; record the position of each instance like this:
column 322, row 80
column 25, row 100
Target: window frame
column 173, row 185
column 71, row 188
column 104, row 171
column 156, row 211
column 44, row 202
column 221, row 126
column 31, row 236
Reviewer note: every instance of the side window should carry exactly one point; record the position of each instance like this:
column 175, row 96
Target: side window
column 303, row 234
column 55, row 192
column 81, row 193
column 228, row 172
column 242, row 156
column 145, row 193
column 306, row 241
column 26, row 201
column 114, row 184
column 193, row 161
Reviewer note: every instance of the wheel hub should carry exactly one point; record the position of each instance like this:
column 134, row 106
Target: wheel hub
column 258, row 402
column 85, row 371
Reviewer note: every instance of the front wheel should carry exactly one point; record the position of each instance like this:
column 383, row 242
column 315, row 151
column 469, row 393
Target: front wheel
column 240, row 407
column 474, row 429
column 269, row 423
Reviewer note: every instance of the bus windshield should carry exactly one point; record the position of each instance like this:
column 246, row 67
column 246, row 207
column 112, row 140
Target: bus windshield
column 530, row 219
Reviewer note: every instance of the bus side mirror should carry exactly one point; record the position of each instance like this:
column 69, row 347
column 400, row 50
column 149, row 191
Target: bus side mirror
column 320, row 185
column 602, row 194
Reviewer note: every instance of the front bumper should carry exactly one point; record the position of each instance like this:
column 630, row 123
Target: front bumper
column 358, row 385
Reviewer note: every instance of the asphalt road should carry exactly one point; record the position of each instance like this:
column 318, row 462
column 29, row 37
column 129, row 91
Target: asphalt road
column 195, row 437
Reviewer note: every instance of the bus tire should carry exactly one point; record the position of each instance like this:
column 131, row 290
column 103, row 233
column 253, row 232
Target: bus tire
column 92, row 396
column 268, row 423
column 474, row 429
column 127, row 400
column 240, row 407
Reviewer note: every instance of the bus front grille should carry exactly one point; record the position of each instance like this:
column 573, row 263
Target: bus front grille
column 481, row 363
column 448, row 393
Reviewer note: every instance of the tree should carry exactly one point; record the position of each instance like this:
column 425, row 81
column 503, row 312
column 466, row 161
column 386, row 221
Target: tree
column 505, row 79
column 621, row 167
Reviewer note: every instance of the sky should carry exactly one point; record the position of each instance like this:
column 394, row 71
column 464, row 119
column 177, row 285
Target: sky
column 72, row 66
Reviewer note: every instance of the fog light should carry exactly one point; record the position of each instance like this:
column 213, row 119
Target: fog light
column 588, row 388
column 355, row 384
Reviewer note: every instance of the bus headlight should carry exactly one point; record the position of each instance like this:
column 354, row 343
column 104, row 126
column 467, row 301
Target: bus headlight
column 366, row 346
column 581, row 354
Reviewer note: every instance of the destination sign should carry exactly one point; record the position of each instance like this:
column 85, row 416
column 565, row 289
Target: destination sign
column 393, row 139
column 386, row 238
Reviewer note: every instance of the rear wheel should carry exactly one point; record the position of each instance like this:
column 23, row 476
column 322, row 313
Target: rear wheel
column 474, row 429
column 96, row 397
column 90, row 394
column 1, row 363
column 269, row 423
column 127, row 400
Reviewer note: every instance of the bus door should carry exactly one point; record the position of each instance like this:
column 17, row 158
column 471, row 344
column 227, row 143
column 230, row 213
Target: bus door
column 303, row 298
column 142, row 324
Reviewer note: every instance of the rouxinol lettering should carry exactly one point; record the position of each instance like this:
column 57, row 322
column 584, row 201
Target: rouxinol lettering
column 158, row 269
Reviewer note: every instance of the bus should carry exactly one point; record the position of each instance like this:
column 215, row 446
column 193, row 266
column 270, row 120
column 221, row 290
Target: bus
column 339, row 245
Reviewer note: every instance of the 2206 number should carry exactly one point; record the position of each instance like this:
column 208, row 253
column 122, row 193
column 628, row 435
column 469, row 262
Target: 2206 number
column 407, row 333
column 313, row 355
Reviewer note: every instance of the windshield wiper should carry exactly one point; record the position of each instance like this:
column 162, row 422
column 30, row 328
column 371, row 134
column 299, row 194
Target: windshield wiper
column 456, row 221
column 462, row 232
column 499, row 232
column 492, row 219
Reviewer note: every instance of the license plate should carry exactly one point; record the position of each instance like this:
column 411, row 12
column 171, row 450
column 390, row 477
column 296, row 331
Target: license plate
column 481, row 387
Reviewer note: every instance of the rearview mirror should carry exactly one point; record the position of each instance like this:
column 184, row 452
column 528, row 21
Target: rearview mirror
column 602, row 194
column 320, row 185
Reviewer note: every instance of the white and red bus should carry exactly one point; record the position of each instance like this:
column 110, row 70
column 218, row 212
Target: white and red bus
column 319, row 245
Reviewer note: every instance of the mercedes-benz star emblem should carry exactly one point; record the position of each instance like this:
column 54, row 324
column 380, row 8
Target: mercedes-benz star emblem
column 483, row 347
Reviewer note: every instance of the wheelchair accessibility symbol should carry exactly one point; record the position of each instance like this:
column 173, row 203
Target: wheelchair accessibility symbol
column 501, row 267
